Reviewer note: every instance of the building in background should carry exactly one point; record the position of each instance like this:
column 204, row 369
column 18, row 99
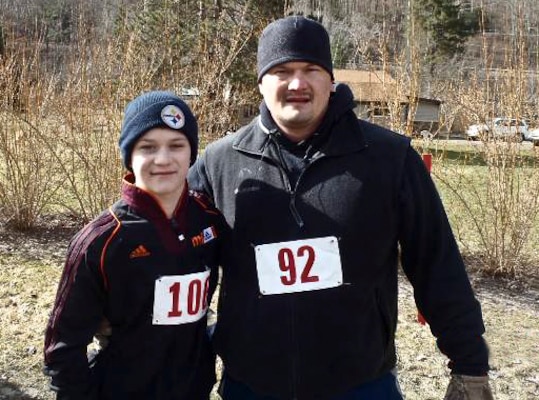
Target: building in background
column 381, row 100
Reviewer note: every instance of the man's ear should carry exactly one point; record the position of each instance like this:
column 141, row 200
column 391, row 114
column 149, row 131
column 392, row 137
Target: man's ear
column 260, row 88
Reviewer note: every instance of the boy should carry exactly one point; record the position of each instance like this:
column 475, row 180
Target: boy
column 148, row 267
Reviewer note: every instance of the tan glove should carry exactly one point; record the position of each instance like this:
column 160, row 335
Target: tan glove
column 463, row 387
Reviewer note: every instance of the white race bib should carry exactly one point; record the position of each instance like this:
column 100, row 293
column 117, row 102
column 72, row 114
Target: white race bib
column 298, row 266
column 180, row 299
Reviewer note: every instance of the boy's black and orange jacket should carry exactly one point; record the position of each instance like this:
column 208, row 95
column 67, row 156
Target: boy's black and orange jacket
column 112, row 267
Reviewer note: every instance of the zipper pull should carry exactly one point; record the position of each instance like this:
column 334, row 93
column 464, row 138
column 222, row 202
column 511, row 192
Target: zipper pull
column 295, row 213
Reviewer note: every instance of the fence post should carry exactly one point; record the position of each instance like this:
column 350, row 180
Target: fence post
column 427, row 159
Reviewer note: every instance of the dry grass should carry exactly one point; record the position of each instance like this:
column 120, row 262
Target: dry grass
column 24, row 312
column 512, row 326
column 30, row 267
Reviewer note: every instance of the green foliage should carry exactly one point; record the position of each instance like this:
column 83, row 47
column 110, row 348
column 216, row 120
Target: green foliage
column 164, row 30
column 57, row 20
column 2, row 42
column 446, row 25
column 341, row 48
column 270, row 9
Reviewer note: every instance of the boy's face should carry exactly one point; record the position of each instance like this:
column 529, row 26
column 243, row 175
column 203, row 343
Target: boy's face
column 160, row 161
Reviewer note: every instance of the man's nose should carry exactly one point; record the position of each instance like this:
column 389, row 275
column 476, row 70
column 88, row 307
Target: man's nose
column 297, row 81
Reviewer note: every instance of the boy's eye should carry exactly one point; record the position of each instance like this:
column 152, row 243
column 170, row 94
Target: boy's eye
column 146, row 147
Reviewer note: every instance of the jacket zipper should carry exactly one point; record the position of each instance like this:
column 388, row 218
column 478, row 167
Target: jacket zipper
column 297, row 217
column 294, row 210
column 299, row 220
column 292, row 192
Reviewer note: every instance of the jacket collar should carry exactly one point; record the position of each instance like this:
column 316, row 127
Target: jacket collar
column 147, row 204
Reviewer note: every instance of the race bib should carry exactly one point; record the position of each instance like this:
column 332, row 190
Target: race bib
column 298, row 266
column 180, row 299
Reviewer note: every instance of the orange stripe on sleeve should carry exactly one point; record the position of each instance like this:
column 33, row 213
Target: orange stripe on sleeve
column 105, row 247
column 205, row 206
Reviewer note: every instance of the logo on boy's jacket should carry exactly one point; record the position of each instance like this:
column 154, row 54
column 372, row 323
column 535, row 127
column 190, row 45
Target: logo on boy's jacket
column 207, row 235
column 140, row 251
column 173, row 116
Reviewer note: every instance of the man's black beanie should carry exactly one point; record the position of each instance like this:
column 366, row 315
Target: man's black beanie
column 152, row 110
column 293, row 38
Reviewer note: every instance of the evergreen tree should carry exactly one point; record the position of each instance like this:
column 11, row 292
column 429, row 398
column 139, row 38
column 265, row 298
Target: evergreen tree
column 2, row 42
column 446, row 25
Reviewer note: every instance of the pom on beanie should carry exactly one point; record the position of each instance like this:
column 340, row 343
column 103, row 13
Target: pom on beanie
column 156, row 109
column 293, row 38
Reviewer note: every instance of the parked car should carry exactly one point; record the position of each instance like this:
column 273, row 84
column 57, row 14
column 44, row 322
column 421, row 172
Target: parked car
column 533, row 136
column 423, row 134
column 476, row 131
column 500, row 128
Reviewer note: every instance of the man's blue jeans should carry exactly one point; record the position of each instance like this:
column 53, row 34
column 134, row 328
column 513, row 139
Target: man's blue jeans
column 384, row 388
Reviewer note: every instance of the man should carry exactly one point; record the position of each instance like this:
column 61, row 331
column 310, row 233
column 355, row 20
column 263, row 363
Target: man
column 321, row 205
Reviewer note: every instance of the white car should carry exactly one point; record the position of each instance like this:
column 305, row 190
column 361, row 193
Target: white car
column 476, row 131
column 500, row 128
column 533, row 136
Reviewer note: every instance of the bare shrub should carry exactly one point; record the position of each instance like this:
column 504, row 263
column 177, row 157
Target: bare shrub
column 28, row 180
column 84, row 147
column 494, row 199
column 493, row 195
column 210, row 64
column 222, row 72
column 61, row 136
column 208, row 58
column 494, row 190
column 87, row 117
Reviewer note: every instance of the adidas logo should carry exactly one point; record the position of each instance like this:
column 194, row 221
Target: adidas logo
column 140, row 251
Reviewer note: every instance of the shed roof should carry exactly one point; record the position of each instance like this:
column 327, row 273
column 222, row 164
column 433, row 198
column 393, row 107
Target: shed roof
column 362, row 76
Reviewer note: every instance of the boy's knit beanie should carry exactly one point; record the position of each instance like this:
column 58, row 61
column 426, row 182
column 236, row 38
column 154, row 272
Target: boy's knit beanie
column 156, row 109
column 294, row 38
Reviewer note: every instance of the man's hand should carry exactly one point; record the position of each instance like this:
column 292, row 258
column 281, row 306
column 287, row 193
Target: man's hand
column 463, row 387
